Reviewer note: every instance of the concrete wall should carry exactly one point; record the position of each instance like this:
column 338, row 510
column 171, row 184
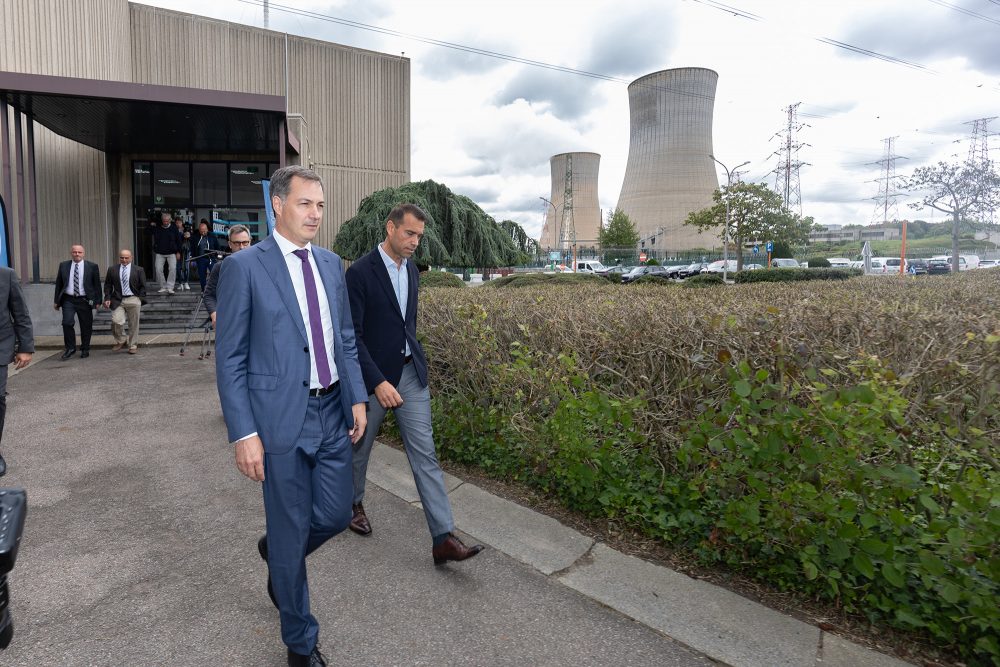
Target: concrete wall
column 586, row 208
column 669, row 173
column 354, row 106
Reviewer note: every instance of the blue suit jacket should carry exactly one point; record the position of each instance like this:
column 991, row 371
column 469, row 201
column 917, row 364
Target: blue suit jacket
column 382, row 330
column 262, row 352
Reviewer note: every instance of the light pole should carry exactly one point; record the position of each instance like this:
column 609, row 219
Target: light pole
column 555, row 215
column 729, row 184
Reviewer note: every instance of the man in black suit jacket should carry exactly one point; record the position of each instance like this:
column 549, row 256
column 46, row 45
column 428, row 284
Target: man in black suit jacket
column 16, row 342
column 78, row 293
column 125, row 292
column 382, row 286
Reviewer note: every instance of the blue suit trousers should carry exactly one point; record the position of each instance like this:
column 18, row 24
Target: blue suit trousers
column 307, row 500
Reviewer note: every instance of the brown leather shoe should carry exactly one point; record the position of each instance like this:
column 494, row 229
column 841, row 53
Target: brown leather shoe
column 359, row 522
column 117, row 346
column 453, row 549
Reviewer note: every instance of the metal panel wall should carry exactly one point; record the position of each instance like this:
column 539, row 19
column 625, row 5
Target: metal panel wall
column 86, row 39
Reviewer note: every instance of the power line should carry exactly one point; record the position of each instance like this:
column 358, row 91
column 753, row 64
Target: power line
column 967, row 12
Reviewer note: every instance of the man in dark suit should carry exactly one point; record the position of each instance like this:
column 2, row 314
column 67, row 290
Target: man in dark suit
column 383, row 289
column 125, row 289
column 16, row 342
column 203, row 246
column 78, row 293
column 292, row 393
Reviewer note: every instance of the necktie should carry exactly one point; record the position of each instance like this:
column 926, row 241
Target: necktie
column 76, row 279
column 315, row 321
column 124, row 282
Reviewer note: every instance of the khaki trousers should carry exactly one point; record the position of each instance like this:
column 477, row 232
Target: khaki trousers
column 129, row 308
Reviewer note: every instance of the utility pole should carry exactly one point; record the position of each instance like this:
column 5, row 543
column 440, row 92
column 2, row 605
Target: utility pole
column 886, row 199
column 786, row 174
column 567, row 230
column 979, row 156
column 729, row 185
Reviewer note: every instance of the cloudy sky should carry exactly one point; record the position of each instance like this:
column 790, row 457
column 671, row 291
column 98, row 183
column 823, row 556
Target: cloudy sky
column 863, row 70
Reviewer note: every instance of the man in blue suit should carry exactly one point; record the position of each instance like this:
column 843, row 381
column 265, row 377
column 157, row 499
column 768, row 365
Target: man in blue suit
column 292, row 393
column 383, row 288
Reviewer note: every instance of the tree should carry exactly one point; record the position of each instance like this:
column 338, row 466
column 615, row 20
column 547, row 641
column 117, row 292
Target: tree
column 959, row 190
column 756, row 213
column 618, row 232
column 457, row 233
column 526, row 246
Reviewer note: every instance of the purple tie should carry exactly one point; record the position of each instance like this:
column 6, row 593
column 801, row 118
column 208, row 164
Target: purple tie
column 315, row 321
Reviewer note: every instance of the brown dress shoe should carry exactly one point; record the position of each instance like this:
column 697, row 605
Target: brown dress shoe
column 453, row 549
column 117, row 346
column 359, row 522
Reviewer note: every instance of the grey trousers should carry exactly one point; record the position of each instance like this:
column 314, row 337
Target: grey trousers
column 171, row 265
column 414, row 419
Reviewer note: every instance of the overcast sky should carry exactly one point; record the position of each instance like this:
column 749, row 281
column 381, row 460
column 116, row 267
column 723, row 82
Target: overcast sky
column 486, row 127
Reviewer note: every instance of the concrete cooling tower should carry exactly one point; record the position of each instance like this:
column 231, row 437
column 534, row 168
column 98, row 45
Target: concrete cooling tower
column 669, row 171
column 579, row 172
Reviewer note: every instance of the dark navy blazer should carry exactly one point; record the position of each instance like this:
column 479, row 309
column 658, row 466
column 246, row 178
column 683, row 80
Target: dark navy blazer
column 381, row 330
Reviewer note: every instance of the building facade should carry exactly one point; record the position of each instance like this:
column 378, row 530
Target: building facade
column 113, row 112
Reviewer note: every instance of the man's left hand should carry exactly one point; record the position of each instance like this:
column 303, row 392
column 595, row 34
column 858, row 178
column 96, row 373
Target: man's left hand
column 22, row 359
column 360, row 421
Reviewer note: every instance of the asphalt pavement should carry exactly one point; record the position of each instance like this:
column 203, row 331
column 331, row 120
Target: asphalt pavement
column 140, row 549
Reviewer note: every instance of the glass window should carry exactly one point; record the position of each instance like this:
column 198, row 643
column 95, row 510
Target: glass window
column 210, row 186
column 245, row 178
column 171, row 184
column 142, row 184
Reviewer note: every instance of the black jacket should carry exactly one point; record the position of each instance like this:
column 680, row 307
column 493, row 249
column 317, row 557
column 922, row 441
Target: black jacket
column 113, row 284
column 166, row 240
column 91, row 282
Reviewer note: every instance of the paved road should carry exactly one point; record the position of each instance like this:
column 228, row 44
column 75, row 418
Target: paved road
column 140, row 549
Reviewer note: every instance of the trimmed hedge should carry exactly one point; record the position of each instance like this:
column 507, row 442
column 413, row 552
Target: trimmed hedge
column 836, row 439
column 533, row 279
column 440, row 279
column 792, row 275
column 704, row 280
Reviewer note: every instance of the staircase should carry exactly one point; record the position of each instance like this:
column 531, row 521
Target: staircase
column 163, row 313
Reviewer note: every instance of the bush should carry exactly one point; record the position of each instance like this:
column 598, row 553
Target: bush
column 792, row 275
column 440, row 279
column 755, row 429
column 532, row 279
column 818, row 263
column 652, row 261
column 704, row 280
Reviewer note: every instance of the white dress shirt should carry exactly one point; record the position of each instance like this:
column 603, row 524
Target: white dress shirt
column 294, row 265
column 399, row 276
column 71, row 289
column 125, row 275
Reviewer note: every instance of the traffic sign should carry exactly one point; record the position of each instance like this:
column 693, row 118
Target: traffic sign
column 756, row 249
column 642, row 257
column 770, row 246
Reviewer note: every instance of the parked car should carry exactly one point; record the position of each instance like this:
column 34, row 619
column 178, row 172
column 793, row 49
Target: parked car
column 936, row 265
column 963, row 264
column 589, row 266
column 640, row 271
column 717, row 266
column 916, row 266
column 784, row 263
column 839, row 262
column 673, row 270
column 691, row 270
column 752, row 267
column 615, row 273
column 892, row 265
column 989, row 263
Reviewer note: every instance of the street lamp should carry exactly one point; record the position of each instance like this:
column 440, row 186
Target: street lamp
column 729, row 184
column 557, row 222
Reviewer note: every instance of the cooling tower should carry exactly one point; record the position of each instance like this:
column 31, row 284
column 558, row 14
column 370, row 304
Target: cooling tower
column 580, row 170
column 669, row 171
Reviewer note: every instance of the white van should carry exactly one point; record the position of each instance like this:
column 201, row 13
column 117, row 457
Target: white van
column 590, row 266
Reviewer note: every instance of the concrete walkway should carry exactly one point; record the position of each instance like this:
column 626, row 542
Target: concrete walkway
column 140, row 550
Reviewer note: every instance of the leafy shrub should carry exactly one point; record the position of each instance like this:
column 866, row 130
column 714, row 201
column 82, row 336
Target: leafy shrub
column 704, row 280
column 818, row 263
column 652, row 261
column 532, row 279
column 440, row 279
column 755, row 429
column 792, row 275
column 652, row 280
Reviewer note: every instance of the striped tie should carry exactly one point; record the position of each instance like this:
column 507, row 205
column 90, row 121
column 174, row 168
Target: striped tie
column 76, row 279
column 124, row 282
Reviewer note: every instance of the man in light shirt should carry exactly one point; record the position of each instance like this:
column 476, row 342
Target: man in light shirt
column 125, row 289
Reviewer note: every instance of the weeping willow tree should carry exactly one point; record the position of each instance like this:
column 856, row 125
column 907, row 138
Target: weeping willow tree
column 526, row 246
column 457, row 233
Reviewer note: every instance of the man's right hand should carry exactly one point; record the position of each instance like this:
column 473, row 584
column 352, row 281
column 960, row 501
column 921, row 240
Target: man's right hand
column 387, row 395
column 213, row 320
column 55, row 306
column 250, row 458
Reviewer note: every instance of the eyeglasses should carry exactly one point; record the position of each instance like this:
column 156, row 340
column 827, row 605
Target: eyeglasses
column 242, row 244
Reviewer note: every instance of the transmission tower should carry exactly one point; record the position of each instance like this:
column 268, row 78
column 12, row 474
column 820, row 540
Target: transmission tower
column 888, row 194
column 979, row 157
column 786, row 174
column 567, row 228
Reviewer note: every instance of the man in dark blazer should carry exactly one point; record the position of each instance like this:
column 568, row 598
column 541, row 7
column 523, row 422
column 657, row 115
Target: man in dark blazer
column 78, row 293
column 383, row 290
column 16, row 342
column 204, row 246
column 125, row 292
column 292, row 393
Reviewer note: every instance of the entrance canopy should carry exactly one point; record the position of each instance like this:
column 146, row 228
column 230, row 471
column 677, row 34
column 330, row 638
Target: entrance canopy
column 121, row 117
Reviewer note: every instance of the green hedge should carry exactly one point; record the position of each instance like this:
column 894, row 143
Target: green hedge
column 440, row 279
column 793, row 275
column 704, row 280
column 533, row 279
column 754, row 427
